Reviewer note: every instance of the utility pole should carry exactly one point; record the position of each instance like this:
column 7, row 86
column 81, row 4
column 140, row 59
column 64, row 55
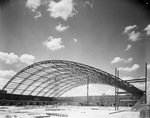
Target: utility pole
column 145, row 83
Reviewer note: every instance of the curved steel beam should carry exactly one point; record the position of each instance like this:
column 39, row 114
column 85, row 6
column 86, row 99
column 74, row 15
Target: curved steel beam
column 56, row 89
column 66, row 78
column 57, row 83
column 69, row 66
column 65, row 85
column 61, row 76
column 54, row 93
column 65, row 88
column 72, row 74
column 36, row 72
column 39, row 78
column 42, row 81
column 64, row 82
column 71, row 86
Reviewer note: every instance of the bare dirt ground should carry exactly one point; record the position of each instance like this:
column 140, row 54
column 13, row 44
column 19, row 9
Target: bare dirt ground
column 66, row 111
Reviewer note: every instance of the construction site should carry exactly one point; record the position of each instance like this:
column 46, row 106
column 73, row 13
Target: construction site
column 36, row 91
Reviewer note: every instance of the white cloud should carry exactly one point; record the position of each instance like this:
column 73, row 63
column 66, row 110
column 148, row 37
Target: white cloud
column 12, row 58
column 129, row 69
column 38, row 14
column 75, row 40
column 134, row 36
column 61, row 28
column 118, row 59
column 129, row 28
column 26, row 58
column 53, row 43
column 147, row 29
column 63, row 9
column 7, row 73
column 33, row 4
column 129, row 60
column 128, row 47
column 3, row 81
column 8, row 58
column 127, row 78
column 148, row 66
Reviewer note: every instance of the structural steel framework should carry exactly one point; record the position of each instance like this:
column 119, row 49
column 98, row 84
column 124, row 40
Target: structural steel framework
column 52, row 78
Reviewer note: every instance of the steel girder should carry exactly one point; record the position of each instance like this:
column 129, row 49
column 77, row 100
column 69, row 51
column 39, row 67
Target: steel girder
column 64, row 86
column 60, row 77
column 69, row 82
column 53, row 87
column 42, row 77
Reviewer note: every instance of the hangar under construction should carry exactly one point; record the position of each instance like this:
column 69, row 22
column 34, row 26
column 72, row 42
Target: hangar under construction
column 45, row 82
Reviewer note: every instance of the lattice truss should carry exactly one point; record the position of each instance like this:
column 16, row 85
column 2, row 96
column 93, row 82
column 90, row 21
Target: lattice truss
column 52, row 78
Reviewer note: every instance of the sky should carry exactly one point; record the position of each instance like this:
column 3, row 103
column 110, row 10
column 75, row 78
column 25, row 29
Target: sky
column 105, row 34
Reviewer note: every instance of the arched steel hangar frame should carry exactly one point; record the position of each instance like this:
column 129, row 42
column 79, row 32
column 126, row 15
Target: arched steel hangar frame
column 52, row 78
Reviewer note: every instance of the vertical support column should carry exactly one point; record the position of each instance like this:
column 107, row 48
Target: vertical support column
column 87, row 90
column 115, row 90
column 145, row 83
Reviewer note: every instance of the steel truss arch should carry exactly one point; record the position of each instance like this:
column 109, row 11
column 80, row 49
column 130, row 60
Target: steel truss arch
column 41, row 78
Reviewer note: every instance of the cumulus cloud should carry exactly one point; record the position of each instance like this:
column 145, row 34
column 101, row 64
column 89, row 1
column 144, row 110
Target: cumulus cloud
column 61, row 28
column 13, row 58
column 63, row 9
column 127, row 78
column 132, row 35
column 33, row 4
column 5, row 75
column 8, row 58
column 116, row 60
column 119, row 59
column 3, row 81
column 129, row 28
column 75, row 40
column 26, row 58
column 147, row 29
column 53, row 43
column 129, row 60
column 129, row 69
column 37, row 15
column 128, row 47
